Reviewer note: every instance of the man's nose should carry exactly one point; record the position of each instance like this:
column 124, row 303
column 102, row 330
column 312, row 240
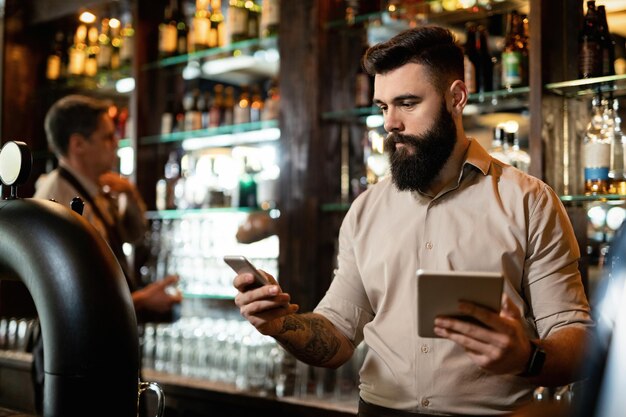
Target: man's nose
column 393, row 123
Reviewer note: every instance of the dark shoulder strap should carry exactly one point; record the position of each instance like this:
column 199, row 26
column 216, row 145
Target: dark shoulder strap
column 115, row 241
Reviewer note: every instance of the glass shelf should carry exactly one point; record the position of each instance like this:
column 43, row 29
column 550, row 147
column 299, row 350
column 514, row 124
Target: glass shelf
column 232, row 50
column 335, row 207
column 582, row 198
column 125, row 143
column 589, row 86
column 198, row 296
column 432, row 12
column 180, row 214
column 230, row 135
column 105, row 82
column 505, row 99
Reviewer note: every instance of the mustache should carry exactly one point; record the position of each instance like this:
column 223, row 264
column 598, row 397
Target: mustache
column 394, row 137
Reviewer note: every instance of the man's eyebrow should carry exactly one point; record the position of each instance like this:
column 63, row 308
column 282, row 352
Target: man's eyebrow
column 398, row 99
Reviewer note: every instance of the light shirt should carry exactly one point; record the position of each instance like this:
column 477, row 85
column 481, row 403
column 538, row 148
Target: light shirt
column 495, row 218
column 128, row 218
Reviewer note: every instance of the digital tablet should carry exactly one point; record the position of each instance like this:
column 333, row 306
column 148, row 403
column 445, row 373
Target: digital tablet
column 439, row 293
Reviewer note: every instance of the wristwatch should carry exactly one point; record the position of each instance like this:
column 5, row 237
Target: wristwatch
column 536, row 360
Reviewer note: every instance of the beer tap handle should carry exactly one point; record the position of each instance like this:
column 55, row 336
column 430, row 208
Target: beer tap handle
column 77, row 205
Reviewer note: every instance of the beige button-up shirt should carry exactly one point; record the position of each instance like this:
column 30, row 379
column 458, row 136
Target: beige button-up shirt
column 495, row 218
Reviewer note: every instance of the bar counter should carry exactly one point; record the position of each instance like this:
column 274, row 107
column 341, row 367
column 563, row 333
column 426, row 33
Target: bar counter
column 184, row 396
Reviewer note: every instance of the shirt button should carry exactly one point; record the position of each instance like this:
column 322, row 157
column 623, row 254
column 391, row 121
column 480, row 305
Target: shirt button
column 425, row 402
column 425, row 349
column 429, row 245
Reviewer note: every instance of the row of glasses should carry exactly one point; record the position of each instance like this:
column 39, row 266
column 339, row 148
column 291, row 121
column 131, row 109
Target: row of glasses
column 15, row 333
column 232, row 351
column 194, row 247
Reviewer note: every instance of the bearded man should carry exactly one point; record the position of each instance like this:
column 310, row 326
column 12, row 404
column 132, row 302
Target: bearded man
column 447, row 206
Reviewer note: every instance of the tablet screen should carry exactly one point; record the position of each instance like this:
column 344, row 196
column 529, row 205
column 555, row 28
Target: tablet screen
column 439, row 293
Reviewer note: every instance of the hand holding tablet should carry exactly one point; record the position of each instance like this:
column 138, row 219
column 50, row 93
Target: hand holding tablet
column 439, row 293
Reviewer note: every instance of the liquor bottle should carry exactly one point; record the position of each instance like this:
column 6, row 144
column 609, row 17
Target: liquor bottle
column 193, row 117
column 228, row 106
column 607, row 43
column 116, row 42
column 271, row 108
column 202, row 104
column 127, row 47
column 165, row 197
column 241, row 111
column 167, row 118
column 254, row 18
column 471, row 60
column 617, row 168
column 218, row 27
column 237, row 21
column 93, row 50
column 105, row 51
column 596, row 152
column 168, row 32
column 256, row 104
column 499, row 146
column 513, row 53
column 485, row 62
column 270, row 18
column 247, row 187
column 217, row 105
column 518, row 157
column 589, row 48
column 182, row 30
column 55, row 65
column 201, row 26
column 77, row 52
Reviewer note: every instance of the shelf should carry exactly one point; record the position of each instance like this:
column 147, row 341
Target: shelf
column 104, row 83
column 335, row 207
column 487, row 102
column 592, row 198
column 180, row 214
column 238, row 63
column 209, row 296
column 589, row 86
column 430, row 12
column 230, row 135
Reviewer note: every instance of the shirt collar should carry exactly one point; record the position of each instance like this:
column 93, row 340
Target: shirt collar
column 477, row 156
column 92, row 188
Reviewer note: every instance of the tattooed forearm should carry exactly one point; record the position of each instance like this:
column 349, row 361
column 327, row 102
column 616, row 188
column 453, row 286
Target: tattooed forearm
column 308, row 337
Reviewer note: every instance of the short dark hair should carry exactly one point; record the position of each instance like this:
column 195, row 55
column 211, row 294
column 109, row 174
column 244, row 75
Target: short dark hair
column 434, row 47
column 69, row 115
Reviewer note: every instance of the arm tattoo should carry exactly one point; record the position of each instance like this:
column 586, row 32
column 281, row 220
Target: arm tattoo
column 319, row 345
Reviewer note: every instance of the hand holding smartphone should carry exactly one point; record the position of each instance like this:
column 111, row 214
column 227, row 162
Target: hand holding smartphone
column 240, row 264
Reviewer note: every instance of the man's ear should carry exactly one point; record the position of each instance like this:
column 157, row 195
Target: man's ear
column 76, row 144
column 459, row 96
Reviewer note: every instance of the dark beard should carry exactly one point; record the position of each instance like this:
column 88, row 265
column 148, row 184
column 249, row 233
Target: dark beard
column 431, row 150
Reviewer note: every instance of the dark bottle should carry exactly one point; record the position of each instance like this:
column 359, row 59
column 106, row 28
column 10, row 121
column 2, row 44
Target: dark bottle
column 216, row 109
column 182, row 30
column 247, row 187
column 607, row 43
column 165, row 197
column 471, row 60
column 167, row 32
column 589, row 48
column 485, row 62
column 515, row 53
column 55, row 65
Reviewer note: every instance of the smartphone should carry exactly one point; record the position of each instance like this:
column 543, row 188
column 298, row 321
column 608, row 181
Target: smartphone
column 240, row 264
